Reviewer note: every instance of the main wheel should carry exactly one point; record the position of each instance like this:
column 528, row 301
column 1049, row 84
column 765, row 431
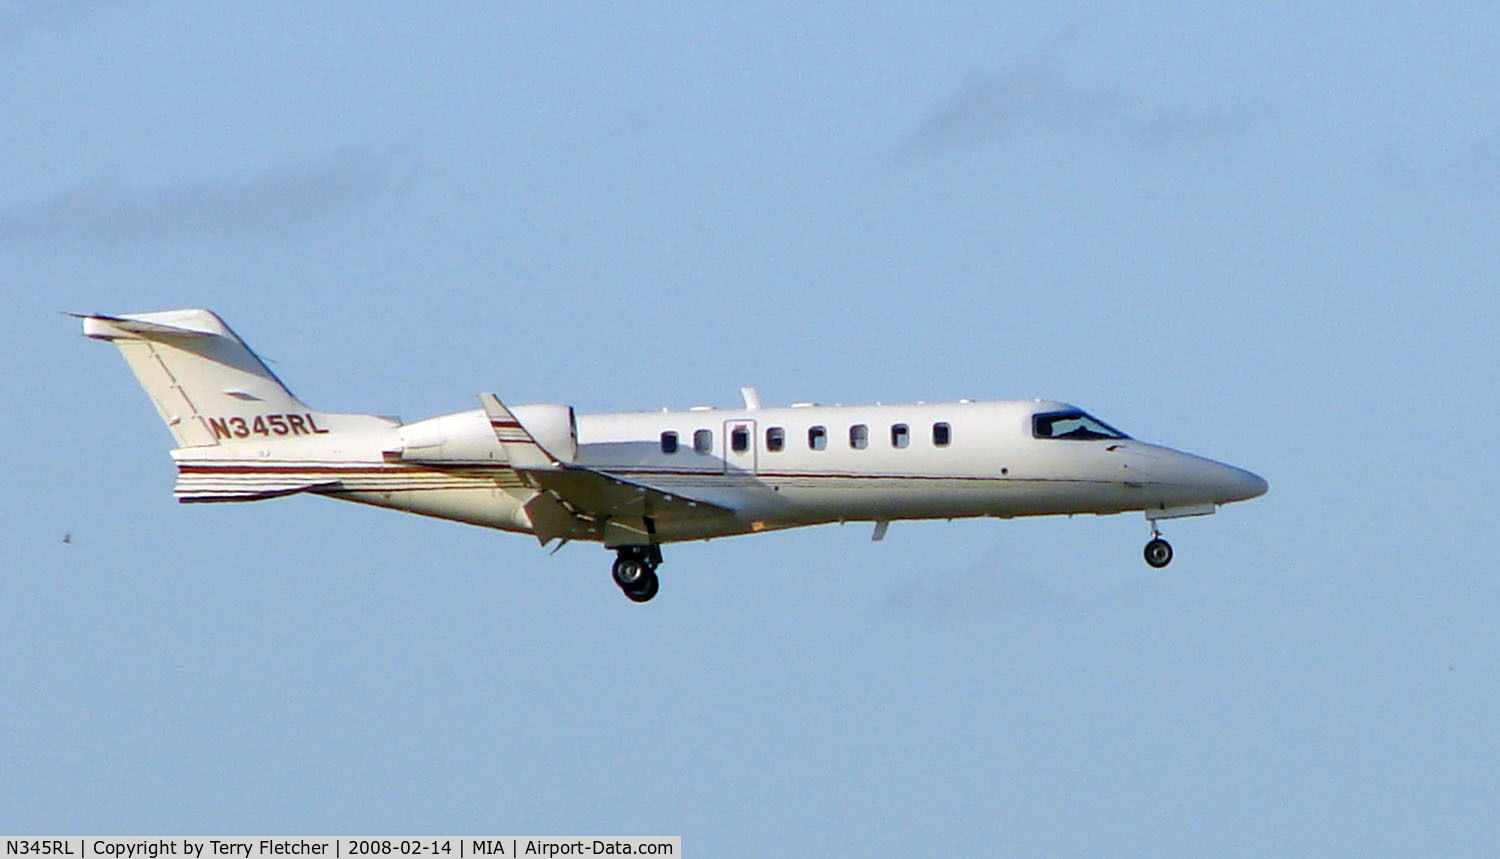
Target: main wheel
column 645, row 589
column 629, row 572
column 1158, row 553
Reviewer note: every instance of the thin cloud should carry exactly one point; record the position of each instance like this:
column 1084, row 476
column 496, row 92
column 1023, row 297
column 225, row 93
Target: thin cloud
column 1481, row 161
column 1169, row 125
column 1452, row 169
column 987, row 590
column 19, row 19
column 106, row 210
column 1038, row 98
column 989, row 107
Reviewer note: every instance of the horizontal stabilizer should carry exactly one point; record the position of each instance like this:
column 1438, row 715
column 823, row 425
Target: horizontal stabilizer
column 194, row 494
column 101, row 327
column 207, row 480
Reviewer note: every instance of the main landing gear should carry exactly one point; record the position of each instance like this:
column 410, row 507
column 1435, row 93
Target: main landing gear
column 635, row 571
column 1158, row 552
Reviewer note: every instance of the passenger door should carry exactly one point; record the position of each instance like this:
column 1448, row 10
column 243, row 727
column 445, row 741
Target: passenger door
column 740, row 446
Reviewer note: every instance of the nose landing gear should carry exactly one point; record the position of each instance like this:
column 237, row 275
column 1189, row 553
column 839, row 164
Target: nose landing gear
column 635, row 571
column 1158, row 552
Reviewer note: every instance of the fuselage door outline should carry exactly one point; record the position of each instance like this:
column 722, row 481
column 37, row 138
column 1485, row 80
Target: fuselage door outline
column 740, row 446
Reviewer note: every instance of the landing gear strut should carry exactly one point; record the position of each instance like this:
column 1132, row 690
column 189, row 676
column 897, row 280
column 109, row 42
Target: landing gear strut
column 1158, row 552
column 635, row 571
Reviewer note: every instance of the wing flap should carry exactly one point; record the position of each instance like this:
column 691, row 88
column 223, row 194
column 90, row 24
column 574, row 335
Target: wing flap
column 551, row 520
column 575, row 501
column 603, row 495
column 581, row 503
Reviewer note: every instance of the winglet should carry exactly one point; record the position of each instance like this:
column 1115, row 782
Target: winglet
column 521, row 448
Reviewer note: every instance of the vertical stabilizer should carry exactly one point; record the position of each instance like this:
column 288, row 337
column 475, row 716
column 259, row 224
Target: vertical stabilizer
column 203, row 380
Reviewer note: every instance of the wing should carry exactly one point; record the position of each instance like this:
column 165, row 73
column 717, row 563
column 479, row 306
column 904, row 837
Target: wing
column 577, row 502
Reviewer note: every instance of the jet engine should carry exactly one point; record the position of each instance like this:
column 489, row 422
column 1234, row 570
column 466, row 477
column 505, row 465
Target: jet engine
column 553, row 426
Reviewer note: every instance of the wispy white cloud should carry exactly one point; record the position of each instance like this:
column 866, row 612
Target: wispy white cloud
column 1481, row 160
column 1452, row 169
column 1185, row 124
column 1038, row 97
column 21, row 18
column 993, row 106
column 986, row 590
column 108, row 210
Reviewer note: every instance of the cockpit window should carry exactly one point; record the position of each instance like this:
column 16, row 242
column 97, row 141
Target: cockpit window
column 1076, row 426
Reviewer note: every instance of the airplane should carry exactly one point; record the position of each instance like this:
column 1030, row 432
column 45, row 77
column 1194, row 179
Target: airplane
column 636, row 481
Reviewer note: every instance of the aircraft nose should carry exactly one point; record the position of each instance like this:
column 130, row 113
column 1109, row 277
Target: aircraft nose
column 1198, row 480
column 1237, row 484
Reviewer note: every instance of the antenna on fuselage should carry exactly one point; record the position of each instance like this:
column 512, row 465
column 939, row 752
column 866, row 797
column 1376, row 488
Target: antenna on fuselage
column 752, row 398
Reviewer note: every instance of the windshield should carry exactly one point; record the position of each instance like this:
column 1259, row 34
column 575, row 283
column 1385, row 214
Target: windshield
column 1073, row 425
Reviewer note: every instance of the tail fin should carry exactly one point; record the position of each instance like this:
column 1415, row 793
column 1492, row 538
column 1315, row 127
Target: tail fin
column 202, row 378
column 241, row 435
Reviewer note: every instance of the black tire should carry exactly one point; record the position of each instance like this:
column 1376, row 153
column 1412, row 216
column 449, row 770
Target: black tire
column 630, row 572
column 645, row 589
column 1158, row 553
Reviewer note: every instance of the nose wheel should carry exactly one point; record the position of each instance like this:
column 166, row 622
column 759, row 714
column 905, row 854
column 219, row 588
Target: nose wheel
column 634, row 571
column 1158, row 552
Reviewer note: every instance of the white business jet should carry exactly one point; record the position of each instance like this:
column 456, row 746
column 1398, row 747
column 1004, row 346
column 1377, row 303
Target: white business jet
column 637, row 480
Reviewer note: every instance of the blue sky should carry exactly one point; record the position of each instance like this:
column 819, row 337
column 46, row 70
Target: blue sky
column 1266, row 234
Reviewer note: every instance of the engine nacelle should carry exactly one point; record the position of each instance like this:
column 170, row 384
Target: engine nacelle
column 553, row 426
column 468, row 436
column 459, row 437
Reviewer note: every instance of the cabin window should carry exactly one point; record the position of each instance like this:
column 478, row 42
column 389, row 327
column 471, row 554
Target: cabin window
column 703, row 441
column 739, row 439
column 942, row 435
column 859, row 436
column 669, row 442
column 817, row 438
column 1073, row 425
column 775, row 439
column 900, row 435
